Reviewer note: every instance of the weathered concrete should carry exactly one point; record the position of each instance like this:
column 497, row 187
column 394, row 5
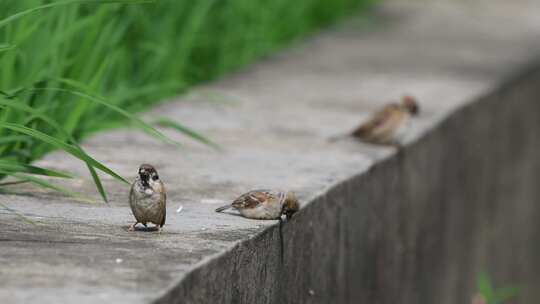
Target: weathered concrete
column 375, row 227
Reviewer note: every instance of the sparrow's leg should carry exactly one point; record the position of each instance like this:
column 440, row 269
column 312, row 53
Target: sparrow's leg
column 281, row 242
column 400, row 149
column 158, row 228
column 132, row 227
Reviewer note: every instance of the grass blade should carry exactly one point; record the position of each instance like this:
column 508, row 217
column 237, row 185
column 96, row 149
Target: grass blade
column 46, row 184
column 136, row 120
column 6, row 47
column 167, row 123
column 506, row 293
column 14, row 138
column 18, row 15
column 484, row 285
column 12, row 183
column 62, row 145
column 18, row 167
column 97, row 182
column 54, row 124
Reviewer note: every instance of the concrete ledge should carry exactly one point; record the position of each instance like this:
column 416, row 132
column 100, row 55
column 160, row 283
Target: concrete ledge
column 375, row 227
column 416, row 228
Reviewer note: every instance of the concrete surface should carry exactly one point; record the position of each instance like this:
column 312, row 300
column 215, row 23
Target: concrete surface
column 375, row 227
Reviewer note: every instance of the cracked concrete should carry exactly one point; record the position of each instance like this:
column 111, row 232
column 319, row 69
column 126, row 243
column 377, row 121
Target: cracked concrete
column 374, row 228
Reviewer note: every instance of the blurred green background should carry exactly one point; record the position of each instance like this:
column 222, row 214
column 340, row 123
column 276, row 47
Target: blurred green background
column 70, row 62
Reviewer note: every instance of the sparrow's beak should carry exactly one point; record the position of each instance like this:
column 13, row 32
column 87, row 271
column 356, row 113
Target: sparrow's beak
column 144, row 178
column 289, row 215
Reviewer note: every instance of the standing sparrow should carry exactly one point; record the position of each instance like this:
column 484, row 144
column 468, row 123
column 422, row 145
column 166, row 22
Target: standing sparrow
column 388, row 125
column 147, row 198
column 264, row 204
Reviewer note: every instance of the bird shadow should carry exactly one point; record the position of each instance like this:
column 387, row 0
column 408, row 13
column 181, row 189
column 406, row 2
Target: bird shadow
column 231, row 213
column 144, row 229
column 253, row 219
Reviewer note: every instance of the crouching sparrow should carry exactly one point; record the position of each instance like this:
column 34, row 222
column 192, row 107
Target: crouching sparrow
column 264, row 204
column 389, row 125
column 147, row 198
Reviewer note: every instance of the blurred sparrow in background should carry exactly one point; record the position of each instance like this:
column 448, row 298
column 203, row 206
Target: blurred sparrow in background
column 389, row 125
column 264, row 204
column 147, row 198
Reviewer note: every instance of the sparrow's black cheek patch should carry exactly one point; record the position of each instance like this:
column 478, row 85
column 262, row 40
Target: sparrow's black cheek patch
column 155, row 177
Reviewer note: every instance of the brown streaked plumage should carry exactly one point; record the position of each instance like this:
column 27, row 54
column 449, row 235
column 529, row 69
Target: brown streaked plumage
column 264, row 204
column 147, row 198
column 387, row 126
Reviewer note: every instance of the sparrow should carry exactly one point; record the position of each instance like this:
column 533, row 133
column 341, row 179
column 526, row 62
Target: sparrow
column 389, row 124
column 264, row 204
column 147, row 198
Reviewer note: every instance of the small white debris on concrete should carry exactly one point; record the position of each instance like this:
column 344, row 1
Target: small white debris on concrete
column 119, row 260
column 311, row 292
column 179, row 209
column 203, row 229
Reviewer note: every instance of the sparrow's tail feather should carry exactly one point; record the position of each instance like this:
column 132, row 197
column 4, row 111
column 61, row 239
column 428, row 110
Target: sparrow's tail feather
column 223, row 208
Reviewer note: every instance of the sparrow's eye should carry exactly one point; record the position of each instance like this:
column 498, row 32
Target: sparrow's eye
column 155, row 177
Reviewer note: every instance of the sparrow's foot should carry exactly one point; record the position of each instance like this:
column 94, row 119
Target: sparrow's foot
column 132, row 227
column 158, row 228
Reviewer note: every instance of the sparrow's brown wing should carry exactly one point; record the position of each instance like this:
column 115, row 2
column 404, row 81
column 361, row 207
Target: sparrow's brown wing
column 133, row 202
column 251, row 199
column 375, row 121
column 132, row 195
column 163, row 202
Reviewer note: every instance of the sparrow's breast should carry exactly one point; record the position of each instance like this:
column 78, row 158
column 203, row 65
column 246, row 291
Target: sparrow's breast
column 146, row 205
column 402, row 130
column 391, row 129
column 267, row 211
column 145, row 201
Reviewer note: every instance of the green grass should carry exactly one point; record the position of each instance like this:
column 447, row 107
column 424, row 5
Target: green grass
column 70, row 68
column 494, row 295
